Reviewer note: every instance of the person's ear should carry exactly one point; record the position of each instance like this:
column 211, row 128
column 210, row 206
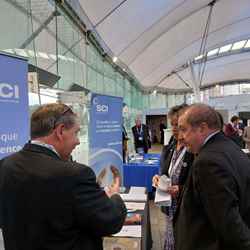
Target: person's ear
column 203, row 128
column 59, row 131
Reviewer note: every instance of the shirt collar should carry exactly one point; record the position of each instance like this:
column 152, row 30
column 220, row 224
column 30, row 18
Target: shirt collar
column 48, row 146
column 210, row 136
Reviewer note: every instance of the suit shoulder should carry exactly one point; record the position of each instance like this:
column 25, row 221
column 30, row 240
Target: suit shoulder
column 80, row 169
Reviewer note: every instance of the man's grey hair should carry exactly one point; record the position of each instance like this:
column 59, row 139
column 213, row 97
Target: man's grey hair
column 199, row 113
column 45, row 119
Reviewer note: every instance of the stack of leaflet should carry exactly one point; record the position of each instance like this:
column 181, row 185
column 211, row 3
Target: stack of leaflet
column 135, row 194
column 151, row 161
column 129, row 231
column 134, row 206
column 137, row 158
column 246, row 150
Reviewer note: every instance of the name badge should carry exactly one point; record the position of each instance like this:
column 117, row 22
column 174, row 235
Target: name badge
column 140, row 138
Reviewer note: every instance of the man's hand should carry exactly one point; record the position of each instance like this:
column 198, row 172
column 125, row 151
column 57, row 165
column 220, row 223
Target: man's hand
column 115, row 186
column 112, row 189
column 101, row 176
column 116, row 176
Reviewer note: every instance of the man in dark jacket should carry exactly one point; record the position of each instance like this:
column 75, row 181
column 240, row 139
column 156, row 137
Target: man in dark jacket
column 214, row 213
column 141, row 136
column 49, row 202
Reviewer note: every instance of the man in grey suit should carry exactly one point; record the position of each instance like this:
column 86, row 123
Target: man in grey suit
column 49, row 202
column 214, row 213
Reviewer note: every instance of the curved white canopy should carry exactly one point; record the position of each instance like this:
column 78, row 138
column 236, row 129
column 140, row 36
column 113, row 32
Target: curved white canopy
column 154, row 38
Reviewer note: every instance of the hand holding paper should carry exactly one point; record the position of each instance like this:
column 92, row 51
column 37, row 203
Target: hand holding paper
column 164, row 183
column 155, row 181
column 162, row 197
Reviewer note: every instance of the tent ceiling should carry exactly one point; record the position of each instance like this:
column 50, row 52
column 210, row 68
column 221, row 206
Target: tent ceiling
column 154, row 38
column 222, row 69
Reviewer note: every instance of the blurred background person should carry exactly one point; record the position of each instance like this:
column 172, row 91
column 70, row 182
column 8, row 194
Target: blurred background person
column 124, row 144
column 175, row 163
column 141, row 136
column 232, row 130
column 246, row 136
column 162, row 127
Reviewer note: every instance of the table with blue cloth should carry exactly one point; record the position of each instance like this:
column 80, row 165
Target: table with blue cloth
column 140, row 174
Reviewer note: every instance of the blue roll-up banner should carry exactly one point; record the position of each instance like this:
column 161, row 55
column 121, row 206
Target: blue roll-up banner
column 105, row 137
column 14, row 108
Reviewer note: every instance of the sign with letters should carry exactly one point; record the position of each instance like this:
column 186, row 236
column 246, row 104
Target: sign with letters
column 105, row 137
column 14, row 109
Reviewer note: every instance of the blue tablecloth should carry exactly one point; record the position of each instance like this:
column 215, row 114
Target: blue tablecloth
column 141, row 174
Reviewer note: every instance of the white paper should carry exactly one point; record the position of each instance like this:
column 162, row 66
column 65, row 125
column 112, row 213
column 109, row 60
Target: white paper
column 137, row 190
column 162, row 198
column 134, row 197
column 164, row 183
column 245, row 150
column 129, row 231
column 135, row 205
column 135, row 194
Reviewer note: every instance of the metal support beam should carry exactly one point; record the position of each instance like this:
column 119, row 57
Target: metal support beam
column 195, row 83
column 109, row 13
column 39, row 30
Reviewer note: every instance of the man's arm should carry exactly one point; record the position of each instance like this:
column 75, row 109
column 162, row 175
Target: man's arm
column 218, row 192
column 94, row 209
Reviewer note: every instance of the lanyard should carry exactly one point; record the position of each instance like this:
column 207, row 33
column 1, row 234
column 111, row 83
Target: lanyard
column 139, row 131
column 175, row 162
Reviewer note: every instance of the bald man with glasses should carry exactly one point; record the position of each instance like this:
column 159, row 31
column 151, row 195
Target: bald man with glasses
column 49, row 202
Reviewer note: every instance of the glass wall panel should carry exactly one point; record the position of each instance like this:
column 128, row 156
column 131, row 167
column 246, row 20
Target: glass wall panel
column 12, row 15
column 179, row 99
column 231, row 89
column 171, row 100
column 99, row 83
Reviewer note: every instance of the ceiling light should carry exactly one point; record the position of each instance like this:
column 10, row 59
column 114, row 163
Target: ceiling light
column 43, row 55
column 63, row 57
column 53, row 56
column 71, row 59
column 247, row 44
column 31, row 53
column 238, row 45
column 11, row 51
column 225, row 48
column 213, row 52
column 21, row 52
column 198, row 57
column 115, row 59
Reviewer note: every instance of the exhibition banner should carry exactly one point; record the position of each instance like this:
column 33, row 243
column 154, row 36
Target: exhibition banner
column 14, row 108
column 105, row 137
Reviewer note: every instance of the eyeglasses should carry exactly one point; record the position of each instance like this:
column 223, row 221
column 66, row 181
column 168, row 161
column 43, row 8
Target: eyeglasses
column 65, row 110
